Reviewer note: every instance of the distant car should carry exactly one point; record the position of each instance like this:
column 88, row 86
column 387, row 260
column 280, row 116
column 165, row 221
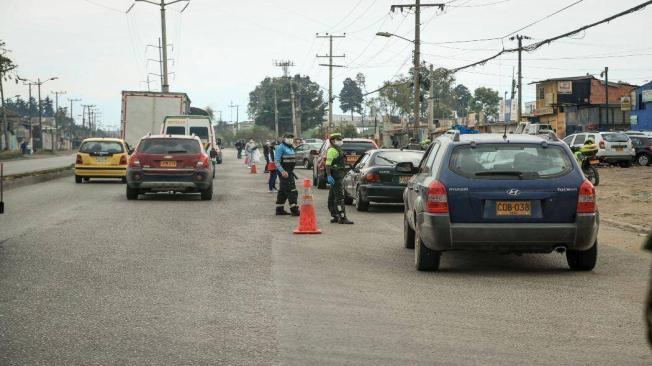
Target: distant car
column 613, row 147
column 101, row 158
column 313, row 141
column 302, row 153
column 353, row 149
column 375, row 178
column 165, row 163
column 639, row 133
column 643, row 149
column 486, row 192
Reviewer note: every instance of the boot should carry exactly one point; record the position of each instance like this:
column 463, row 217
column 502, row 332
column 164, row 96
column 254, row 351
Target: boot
column 335, row 220
column 295, row 211
column 280, row 211
column 344, row 221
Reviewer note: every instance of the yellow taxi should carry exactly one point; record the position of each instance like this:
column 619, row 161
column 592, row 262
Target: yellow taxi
column 101, row 158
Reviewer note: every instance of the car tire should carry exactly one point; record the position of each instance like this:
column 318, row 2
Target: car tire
column 87, row 179
column 306, row 164
column 625, row 164
column 132, row 193
column 643, row 160
column 123, row 179
column 207, row 194
column 425, row 259
column 583, row 260
column 78, row 179
column 593, row 176
column 408, row 233
column 360, row 204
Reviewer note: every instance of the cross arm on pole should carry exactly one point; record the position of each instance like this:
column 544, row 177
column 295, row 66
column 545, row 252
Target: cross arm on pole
column 410, row 6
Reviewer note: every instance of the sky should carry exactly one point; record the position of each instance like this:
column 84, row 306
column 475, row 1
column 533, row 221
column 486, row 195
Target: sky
column 222, row 49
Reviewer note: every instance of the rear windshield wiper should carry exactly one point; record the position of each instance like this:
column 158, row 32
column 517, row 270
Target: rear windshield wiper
column 504, row 172
column 387, row 160
column 177, row 151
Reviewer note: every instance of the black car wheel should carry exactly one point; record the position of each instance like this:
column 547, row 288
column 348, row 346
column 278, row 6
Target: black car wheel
column 643, row 160
column 361, row 204
column 625, row 164
column 132, row 193
column 425, row 259
column 592, row 175
column 207, row 194
column 408, row 233
column 78, row 179
column 124, row 179
column 583, row 260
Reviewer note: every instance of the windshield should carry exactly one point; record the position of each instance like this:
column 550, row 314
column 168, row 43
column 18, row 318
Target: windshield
column 615, row 137
column 169, row 146
column 510, row 161
column 175, row 130
column 101, row 147
column 201, row 132
column 389, row 158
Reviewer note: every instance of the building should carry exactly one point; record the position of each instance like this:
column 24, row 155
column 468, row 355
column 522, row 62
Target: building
column 579, row 104
column 641, row 115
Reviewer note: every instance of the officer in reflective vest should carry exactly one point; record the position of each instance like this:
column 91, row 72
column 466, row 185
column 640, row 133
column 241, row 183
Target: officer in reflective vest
column 285, row 161
column 335, row 171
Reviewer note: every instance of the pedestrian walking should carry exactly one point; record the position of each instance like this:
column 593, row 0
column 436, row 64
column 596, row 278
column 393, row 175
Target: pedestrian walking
column 270, row 166
column 251, row 149
column 285, row 161
column 335, row 171
column 239, row 146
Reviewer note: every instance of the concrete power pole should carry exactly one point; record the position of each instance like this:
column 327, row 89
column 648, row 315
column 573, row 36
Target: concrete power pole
column 165, row 88
column 72, row 117
column 275, row 114
column 431, row 100
column 417, row 54
column 55, row 136
column 237, row 115
column 330, row 73
column 605, row 74
column 285, row 66
column 519, row 109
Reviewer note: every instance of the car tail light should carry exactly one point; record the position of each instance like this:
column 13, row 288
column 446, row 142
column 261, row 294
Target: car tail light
column 437, row 201
column 586, row 198
column 203, row 162
column 372, row 177
column 79, row 160
column 123, row 160
column 601, row 144
column 134, row 162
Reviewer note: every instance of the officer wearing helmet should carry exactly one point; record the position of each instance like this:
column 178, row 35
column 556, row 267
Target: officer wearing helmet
column 285, row 160
column 589, row 148
column 335, row 171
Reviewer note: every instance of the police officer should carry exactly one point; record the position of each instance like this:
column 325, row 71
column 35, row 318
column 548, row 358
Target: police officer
column 285, row 161
column 335, row 171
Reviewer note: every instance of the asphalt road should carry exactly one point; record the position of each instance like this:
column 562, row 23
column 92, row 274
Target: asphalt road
column 34, row 164
column 89, row 278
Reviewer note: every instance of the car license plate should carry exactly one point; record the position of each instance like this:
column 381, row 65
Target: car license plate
column 404, row 179
column 619, row 148
column 100, row 159
column 168, row 164
column 513, row 208
column 594, row 161
column 351, row 159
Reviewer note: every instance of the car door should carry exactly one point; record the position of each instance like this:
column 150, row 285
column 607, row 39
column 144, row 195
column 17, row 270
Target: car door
column 413, row 186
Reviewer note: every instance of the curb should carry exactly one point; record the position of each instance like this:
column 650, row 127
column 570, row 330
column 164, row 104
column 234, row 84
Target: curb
column 40, row 176
column 628, row 227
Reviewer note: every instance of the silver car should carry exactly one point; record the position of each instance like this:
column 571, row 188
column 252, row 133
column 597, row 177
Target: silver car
column 613, row 147
column 302, row 154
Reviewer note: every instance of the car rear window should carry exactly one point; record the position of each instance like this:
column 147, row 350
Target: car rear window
column 510, row 161
column 201, row 132
column 389, row 158
column 169, row 146
column 615, row 137
column 175, row 130
column 357, row 146
column 101, row 147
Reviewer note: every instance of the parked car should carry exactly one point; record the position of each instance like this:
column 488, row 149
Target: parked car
column 165, row 163
column 101, row 158
column 353, row 149
column 643, row 149
column 533, row 128
column 302, row 153
column 374, row 178
column 639, row 133
column 613, row 147
column 516, row 194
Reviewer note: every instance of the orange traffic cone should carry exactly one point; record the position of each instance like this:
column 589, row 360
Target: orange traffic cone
column 253, row 168
column 307, row 218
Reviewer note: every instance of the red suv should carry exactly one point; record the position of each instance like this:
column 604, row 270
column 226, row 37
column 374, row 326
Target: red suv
column 353, row 149
column 170, row 164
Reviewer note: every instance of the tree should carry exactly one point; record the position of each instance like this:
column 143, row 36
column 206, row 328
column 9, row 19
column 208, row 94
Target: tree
column 6, row 65
column 308, row 96
column 486, row 100
column 351, row 97
column 462, row 100
column 442, row 83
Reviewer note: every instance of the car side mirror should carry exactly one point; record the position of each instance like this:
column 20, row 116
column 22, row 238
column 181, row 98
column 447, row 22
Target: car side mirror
column 314, row 152
column 405, row 167
column 130, row 151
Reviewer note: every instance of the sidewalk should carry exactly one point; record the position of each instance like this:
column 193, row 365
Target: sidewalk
column 27, row 165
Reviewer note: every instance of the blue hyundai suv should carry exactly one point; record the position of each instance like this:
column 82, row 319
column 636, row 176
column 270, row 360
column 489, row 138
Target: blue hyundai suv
column 502, row 193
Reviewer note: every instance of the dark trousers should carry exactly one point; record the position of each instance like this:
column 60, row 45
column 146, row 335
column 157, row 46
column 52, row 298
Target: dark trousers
column 272, row 179
column 287, row 191
column 239, row 153
column 336, row 199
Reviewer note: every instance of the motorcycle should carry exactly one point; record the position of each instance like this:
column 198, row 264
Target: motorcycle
column 589, row 163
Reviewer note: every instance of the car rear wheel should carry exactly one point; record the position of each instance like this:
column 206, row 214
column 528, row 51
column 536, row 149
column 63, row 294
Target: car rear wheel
column 425, row 259
column 78, row 179
column 124, row 179
column 408, row 233
column 643, row 160
column 87, row 179
column 361, row 204
column 592, row 175
column 583, row 260
column 207, row 194
column 625, row 164
column 132, row 193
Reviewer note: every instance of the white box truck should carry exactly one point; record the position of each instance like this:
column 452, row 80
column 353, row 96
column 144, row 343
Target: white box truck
column 143, row 112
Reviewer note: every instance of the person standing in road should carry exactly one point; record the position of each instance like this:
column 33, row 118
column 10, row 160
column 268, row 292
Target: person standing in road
column 266, row 155
column 239, row 147
column 335, row 171
column 285, row 161
column 250, row 150
column 270, row 166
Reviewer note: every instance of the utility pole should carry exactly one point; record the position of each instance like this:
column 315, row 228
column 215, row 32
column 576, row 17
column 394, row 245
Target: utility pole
column 237, row 115
column 605, row 74
column 519, row 109
column 55, row 136
column 330, row 73
column 72, row 118
column 275, row 114
column 285, row 66
column 431, row 100
column 165, row 87
column 417, row 53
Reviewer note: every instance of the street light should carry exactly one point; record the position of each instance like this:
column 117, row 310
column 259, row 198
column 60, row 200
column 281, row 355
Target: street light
column 40, row 108
column 388, row 35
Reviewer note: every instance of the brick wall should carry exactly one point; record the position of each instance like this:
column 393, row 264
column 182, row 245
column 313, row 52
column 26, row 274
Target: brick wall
column 597, row 92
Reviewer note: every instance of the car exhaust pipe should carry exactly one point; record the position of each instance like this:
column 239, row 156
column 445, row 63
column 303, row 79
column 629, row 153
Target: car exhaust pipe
column 560, row 249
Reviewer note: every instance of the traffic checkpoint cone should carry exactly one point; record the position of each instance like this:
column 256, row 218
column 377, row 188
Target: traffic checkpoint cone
column 307, row 216
column 253, row 168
